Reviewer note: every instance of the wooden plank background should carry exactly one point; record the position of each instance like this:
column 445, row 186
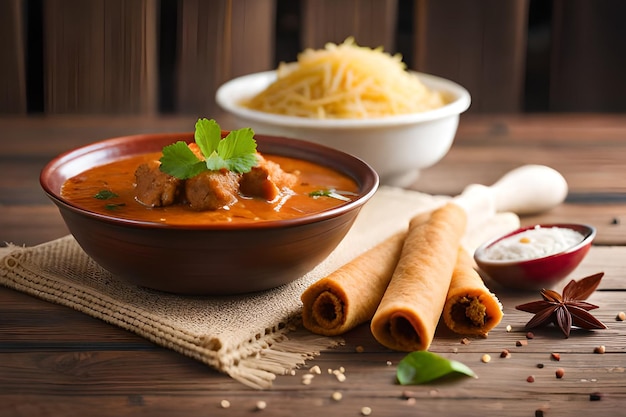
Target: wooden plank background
column 219, row 40
column 482, row 47
column 589, row 58
column 100, row 56
column 12, row 50
column 169, row 56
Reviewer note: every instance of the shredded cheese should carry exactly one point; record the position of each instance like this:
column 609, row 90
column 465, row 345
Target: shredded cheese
column 345, row 81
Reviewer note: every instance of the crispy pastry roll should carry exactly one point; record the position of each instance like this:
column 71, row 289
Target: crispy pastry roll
column 470, row 309
column 411, row 307
column 350, row 295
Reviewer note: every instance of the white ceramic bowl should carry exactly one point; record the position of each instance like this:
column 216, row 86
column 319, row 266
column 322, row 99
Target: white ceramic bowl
column 397, row 147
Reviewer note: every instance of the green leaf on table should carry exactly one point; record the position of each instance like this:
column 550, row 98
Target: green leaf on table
column 236, row 152
column 423, row 366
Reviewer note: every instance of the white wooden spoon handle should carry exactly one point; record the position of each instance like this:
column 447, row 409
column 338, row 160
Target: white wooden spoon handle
column 529, row 189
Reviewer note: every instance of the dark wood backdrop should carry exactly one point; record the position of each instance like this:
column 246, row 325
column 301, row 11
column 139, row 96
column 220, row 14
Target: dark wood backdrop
column 169, row 56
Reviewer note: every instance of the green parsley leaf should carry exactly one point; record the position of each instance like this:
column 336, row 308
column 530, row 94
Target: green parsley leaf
column 330, row 193
column 320, row 193
column 105, row 195
column 238, row 149
column 423, row 366
column 114, row 206
column 179, row 161
column 208, row 136
column 236, row 152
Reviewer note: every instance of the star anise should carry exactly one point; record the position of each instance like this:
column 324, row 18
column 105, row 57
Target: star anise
column 567, row 309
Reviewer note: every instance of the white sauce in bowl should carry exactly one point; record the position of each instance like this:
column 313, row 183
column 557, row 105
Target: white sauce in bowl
column 537, row 242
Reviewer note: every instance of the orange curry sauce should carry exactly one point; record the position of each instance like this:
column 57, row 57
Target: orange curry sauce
column 118, row 177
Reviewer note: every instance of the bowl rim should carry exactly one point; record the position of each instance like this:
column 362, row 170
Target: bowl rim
column 231, row 92
column 368, row 184
column 587, row 230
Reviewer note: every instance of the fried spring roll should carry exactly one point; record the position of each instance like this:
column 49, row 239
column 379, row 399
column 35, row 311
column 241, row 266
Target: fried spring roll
column 411, row 307
column 350, row 295
column 470, row 308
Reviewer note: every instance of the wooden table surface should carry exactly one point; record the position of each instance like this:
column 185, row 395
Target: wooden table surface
column 56, row 361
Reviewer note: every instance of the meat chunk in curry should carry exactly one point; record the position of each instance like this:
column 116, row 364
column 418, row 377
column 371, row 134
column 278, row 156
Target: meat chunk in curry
column 266, row 180
column 211, row 190
column 154, row 188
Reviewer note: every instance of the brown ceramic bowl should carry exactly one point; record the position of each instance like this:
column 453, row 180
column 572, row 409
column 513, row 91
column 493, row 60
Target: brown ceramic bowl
column 212, row 259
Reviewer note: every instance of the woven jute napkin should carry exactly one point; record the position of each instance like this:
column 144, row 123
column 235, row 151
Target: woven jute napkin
column 251, row 337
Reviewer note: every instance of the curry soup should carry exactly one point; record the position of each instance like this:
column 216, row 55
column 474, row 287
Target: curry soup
column 116, row 180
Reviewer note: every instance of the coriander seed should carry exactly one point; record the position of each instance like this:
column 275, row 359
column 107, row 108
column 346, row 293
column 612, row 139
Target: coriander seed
column 560, row 372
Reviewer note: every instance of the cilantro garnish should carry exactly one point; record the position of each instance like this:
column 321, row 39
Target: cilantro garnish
column 236, row 152
column 108, row 195
column 105, row 195
column 114, row 206
column 330, row 193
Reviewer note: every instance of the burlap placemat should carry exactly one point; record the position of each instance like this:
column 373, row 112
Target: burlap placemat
column 251, row 337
